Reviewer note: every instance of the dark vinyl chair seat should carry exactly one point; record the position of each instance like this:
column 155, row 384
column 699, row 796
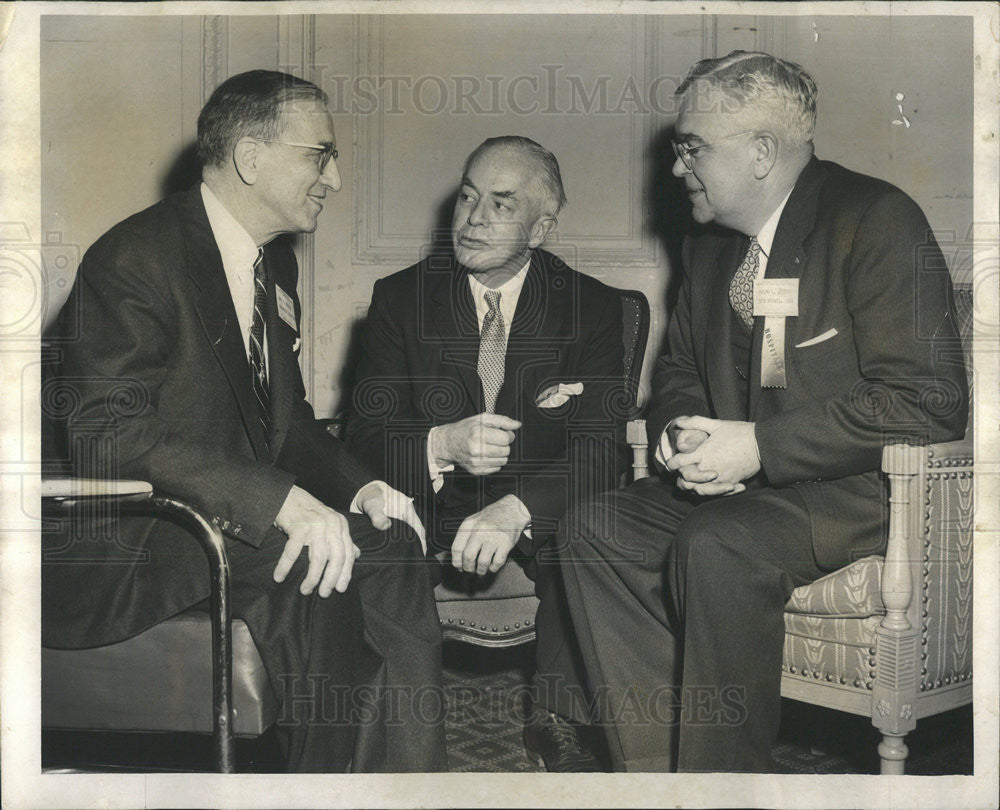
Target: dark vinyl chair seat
column 153, row 682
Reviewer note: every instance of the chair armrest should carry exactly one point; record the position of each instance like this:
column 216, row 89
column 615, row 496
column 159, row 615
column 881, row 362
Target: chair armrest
column 945, row 452
column 911, row 469
column 635, row 435
column 69, row 488
column 906, row 459
column 902, row 463
column 66, row 493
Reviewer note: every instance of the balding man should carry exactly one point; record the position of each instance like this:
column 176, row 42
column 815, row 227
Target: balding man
column 817, row 296
column 486, row 388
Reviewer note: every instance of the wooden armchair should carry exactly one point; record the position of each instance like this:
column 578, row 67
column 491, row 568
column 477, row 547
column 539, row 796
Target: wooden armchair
column 499, row 610
column 890, row 637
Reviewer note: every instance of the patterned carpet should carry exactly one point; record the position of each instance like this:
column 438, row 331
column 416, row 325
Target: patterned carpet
column 487, row 700
column 487, row 696
column 487, row 704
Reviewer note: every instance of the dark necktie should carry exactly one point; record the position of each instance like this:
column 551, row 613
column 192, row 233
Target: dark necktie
column 492, row 350
column 257, row 364
column 741, row 288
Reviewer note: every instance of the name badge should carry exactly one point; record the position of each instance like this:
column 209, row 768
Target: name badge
column 776, row 297
column 286, row 309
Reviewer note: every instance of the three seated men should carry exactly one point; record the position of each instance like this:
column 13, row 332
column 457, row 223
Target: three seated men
column 483, row 392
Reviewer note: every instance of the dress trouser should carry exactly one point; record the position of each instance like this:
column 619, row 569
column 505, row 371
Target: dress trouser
column 678, row 608
column 358, row 674
column 557, row 685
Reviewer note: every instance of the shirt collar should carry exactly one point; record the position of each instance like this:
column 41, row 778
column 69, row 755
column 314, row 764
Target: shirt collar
column 510, row 292
column 765, row 237
column 237, row 247
column 511, row 287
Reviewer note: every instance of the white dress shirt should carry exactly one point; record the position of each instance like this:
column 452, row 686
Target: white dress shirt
column 765, row 236
column 239, row 253
column 510, row 293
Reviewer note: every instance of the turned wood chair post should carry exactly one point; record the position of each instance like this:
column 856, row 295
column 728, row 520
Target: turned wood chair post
column 898, row 638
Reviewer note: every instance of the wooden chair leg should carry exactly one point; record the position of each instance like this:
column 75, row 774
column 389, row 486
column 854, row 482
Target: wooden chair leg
column 892, row 752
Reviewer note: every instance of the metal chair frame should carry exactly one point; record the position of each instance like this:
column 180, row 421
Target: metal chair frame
column 72, row 493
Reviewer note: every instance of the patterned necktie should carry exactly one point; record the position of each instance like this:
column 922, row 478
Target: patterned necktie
column 257, row 365
column 741, row 288
column 492, row 350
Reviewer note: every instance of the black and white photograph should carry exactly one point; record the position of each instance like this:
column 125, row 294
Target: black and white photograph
column 467, row 404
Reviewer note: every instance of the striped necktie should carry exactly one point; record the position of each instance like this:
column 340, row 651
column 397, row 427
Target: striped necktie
column 741, row 288
column 258, row 366
column 492, row 351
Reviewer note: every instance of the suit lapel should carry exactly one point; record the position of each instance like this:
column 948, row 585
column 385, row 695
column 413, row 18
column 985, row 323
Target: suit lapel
column 788, row 257
column 542, row 311
column 539, row 308
column 213, row 302
column 451, row 316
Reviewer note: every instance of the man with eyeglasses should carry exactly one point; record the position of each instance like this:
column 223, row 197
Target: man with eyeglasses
column 814, row 312
column 192, row 304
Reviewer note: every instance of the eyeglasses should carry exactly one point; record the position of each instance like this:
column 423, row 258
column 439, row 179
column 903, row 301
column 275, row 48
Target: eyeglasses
column 325, row 152
column 689, row 154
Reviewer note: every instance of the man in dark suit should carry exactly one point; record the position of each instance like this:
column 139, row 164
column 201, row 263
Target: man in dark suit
column 486, row 388
column 184, row 329
column 809, row 327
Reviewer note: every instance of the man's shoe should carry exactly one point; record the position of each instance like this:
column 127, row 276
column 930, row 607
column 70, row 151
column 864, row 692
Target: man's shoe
column 554, row 742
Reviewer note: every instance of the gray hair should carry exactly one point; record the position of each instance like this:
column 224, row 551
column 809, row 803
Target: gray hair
column 546, row 167
column 780, row 91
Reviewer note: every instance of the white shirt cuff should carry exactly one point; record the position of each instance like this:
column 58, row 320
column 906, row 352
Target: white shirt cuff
column 525, row 515
column 664, row 442
column 355, row 510
column 436, row 473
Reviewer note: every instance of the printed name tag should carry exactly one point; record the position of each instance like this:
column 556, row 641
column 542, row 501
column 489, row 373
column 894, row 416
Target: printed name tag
column 286, row 309
column 776, row 297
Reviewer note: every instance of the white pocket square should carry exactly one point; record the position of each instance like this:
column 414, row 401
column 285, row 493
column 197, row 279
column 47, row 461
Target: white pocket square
column 556, row 395
column 829, row 333
column 296, row 345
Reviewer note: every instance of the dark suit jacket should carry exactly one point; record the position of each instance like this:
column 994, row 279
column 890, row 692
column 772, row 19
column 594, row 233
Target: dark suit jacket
column 868, row 267
column 417, row 369
column 157, row 369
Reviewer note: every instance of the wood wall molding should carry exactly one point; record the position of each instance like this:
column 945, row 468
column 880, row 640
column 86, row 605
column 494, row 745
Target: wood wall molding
column 376, row 242
column 215, row 53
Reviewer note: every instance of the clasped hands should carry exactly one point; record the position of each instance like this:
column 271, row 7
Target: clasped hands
column 310, row 523
column 713, row 456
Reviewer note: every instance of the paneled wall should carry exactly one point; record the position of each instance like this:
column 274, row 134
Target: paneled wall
column 412, row 95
